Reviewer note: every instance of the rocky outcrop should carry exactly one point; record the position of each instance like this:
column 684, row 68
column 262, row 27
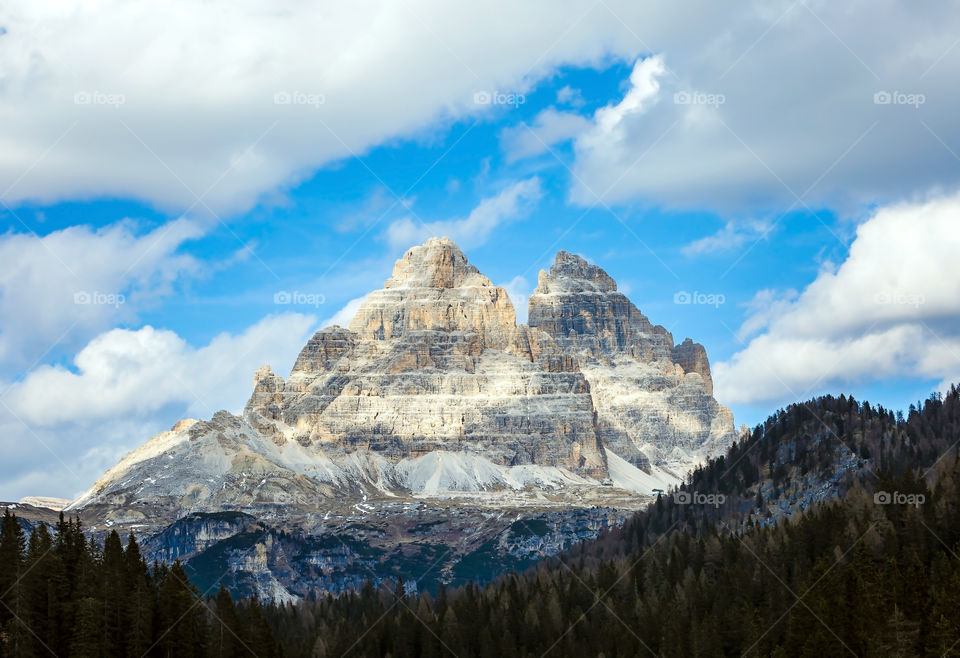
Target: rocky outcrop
column 434, row 288
column 579, row 306
column 692, row 357
column 434, row 390
column 194, row 534
column 649, row 407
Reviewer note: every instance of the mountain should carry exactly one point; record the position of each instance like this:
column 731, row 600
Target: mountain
column 434, row 393
column 31, row 512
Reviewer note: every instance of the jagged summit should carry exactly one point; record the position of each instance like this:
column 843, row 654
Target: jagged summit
column 437, row 263
column 578, row 304
column 434, row 288
column 434, row 390
column 572, row 273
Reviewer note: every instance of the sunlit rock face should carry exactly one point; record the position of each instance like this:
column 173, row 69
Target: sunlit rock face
column 654, row 400
column 432, row 361
column 435, row 390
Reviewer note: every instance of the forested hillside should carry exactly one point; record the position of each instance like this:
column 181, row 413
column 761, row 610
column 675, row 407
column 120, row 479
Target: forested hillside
column 870, row 568
column 62, row 595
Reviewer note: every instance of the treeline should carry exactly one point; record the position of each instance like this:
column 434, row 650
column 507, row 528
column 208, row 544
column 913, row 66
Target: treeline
column 790, row 454
column 853, row 574
column 63, row 595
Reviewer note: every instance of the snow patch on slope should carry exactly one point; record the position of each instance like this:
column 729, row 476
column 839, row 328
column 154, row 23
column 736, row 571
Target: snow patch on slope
column 446, row 472
column 627, row 476
column 441, row 471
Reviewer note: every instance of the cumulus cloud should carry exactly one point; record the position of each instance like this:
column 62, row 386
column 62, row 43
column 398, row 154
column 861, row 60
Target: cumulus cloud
column 891, row 309
column 134, row 373
column 215, row 105
column 548, row 128
column 63, row 426
column 474, row 229
column 215, row 113
column 789, row 100
column 72, row 283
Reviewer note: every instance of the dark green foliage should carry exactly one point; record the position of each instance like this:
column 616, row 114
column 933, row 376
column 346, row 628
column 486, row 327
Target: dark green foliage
column 62, row 595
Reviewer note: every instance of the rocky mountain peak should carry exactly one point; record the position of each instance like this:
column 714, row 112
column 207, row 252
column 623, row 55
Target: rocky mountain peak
column 434, row 288
column 579, row 305
column 437, row 263
column 572, row 273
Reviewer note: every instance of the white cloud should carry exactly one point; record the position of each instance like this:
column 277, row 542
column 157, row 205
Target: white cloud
column 61, row 428
column 518, row 288
column 550, row 127
column 732, row 236
column 766, row 305
column 567, row 95
column 72, row 283
column 233, row 102
column 644, row 86
column 343, row 317
column 134, row 373
column 473, row 230
column 891, row 309
column 199, row 118
column 741, row 111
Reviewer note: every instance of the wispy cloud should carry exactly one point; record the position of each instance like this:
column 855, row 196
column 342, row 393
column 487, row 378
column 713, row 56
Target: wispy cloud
column 550, row 127
column 475, row 229
column 732, row 236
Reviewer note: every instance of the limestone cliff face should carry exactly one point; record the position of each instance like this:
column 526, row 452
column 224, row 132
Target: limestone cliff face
column 649, row 405
column 435, row 389
column 433, row 361
column 692, row 357
column 579, row 306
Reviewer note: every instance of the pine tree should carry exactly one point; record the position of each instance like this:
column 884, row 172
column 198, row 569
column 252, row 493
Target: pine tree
column 87, row 638
column 140, row 600
column 226, row 627
column 36, row 601
column 13, row 546
column 113, row 582
column 181, row 623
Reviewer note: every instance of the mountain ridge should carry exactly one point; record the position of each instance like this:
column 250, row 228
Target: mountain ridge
column 435, row 390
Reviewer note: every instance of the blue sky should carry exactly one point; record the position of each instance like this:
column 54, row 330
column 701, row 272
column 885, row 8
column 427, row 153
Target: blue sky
column 806, row 205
